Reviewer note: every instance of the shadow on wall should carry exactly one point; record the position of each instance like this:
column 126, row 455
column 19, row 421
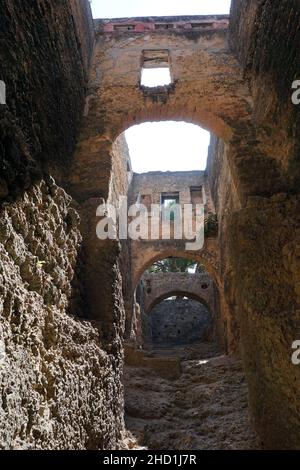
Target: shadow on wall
column 178, row 320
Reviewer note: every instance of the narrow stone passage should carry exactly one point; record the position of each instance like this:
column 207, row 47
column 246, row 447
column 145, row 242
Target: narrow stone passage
column 205, row 408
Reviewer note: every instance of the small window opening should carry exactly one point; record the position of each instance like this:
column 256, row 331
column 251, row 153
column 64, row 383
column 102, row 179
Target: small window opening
column 124, row 27
column 160, row 76
column 164, row 26
column 168, row 201
column 201, row 25
column 155, row 68
column 196, row 195
column 166, row 198
column 146, row 200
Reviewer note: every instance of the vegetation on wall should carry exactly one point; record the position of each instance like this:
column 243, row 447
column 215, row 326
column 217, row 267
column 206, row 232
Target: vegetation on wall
column 172, row 265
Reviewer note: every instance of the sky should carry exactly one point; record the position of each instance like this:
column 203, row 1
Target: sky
column 127, row 8
column 167, row 146
column 156, row 77
column 164, row 146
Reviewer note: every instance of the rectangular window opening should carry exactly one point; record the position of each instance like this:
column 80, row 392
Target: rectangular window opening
column 164, row 26
column 146, row 200
column 201, row 25
column 124, row 27
column 170, row 197
column 168, row 201
column 196, row 195
column 160, row 76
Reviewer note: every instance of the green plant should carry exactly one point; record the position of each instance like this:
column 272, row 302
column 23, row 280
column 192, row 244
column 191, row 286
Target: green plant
column 172, row 265
column 211, row 225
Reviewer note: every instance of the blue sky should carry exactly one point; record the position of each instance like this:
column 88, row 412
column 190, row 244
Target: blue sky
column 165, row 146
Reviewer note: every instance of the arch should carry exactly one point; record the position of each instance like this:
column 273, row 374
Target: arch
column 182, row 293
column 221, row 105
column 208, row 90
column 158, row 286
column 183, row 320
column 144, row 254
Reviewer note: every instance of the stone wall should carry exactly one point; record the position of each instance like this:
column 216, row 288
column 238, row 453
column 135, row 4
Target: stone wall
column 159, row 285
column 188, row 24
column 54, row 372
column 264, row 36
column 259, row 234
column 155, row 287
column 60, row 380
column 45, row 55
column 180, row 321
column 156, row 183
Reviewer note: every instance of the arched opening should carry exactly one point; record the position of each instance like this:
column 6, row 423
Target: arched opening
column 167, row 146
column 222, row 106
column 176, row 301
column 65, row 291
column 166, row 166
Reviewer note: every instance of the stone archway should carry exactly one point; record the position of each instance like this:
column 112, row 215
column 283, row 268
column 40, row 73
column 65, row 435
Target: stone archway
column 145, row 253
column 179, row 317
column 250, row 165
column 159, row 286
column 208, row 89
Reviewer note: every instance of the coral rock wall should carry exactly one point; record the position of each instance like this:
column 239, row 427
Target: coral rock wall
column 60, row 384
column 58, row 387
column 259, row 234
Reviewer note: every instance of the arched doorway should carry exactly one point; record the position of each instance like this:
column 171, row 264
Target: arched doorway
column 186, row 280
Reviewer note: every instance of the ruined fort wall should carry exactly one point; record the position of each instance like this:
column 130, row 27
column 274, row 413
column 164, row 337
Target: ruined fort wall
column 180, row 321
column 259, row 237
column 154, row 184
column 60, row 384
column 44, row 63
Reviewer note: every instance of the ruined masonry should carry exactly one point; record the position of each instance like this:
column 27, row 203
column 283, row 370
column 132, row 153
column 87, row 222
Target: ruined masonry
column 97, row 351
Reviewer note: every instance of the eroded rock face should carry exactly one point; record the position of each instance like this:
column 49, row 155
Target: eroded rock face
column 54, row 373
column 204, row 408
column 60, row 384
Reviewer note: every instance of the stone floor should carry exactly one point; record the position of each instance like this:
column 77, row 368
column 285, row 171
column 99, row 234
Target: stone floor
column 205, row 408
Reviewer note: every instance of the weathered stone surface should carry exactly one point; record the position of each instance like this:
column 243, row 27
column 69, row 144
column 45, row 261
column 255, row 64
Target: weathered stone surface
column 159, row 286
column 262, row 244
column 45, row 54
column 166, row 367
column 259, row 235
column 60, row 384
column 61, row 376
column 59, row 387
column 205, row 408
column 180, row 321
